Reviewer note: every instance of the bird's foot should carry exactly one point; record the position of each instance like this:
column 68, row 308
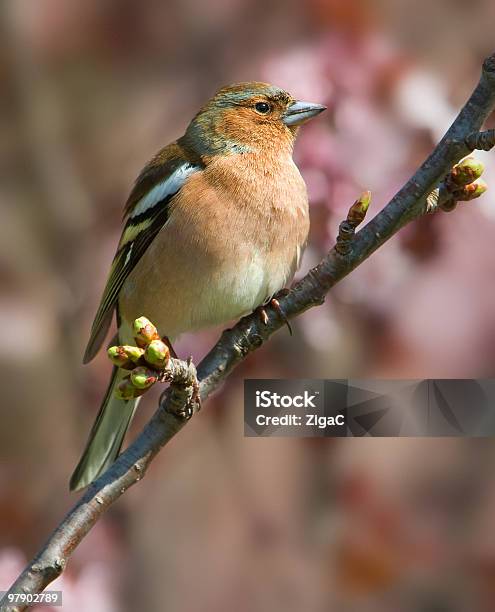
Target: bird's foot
column 263, row 314
column 275, row 304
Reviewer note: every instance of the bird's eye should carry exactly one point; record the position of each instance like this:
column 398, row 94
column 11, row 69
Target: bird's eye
column 262, row 107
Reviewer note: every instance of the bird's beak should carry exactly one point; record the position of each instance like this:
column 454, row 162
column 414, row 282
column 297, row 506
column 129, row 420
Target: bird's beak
column 299, row 112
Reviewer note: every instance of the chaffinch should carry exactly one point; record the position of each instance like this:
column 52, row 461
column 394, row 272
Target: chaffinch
column 215, row 225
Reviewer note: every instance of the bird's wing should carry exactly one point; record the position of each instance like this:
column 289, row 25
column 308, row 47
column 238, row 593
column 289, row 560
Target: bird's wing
column 146, row 212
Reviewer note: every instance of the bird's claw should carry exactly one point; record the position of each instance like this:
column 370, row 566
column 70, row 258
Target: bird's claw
column 275, row 304
column 263, row 315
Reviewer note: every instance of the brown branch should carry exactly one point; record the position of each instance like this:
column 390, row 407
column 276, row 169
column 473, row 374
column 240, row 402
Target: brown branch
column 250, row 333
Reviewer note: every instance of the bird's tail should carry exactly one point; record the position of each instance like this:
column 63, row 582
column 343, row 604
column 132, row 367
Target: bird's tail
column 106, row 436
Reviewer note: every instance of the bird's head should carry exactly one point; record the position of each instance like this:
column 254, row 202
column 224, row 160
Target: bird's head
column 248, row 117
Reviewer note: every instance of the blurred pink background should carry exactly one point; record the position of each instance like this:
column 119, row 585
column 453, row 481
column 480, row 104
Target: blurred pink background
column 90, row 90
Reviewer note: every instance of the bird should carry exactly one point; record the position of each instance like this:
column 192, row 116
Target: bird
column 214, row 226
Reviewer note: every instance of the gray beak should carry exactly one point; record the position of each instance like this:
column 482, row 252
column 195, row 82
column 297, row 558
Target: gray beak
column 299, row 112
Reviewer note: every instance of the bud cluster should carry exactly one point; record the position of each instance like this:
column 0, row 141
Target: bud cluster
column 145, row 360
column 465, row 179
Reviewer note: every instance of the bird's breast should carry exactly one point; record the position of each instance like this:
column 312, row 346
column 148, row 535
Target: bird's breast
column 234, row 238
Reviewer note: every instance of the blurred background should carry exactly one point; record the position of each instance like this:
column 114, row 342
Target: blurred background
column 90, row 91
